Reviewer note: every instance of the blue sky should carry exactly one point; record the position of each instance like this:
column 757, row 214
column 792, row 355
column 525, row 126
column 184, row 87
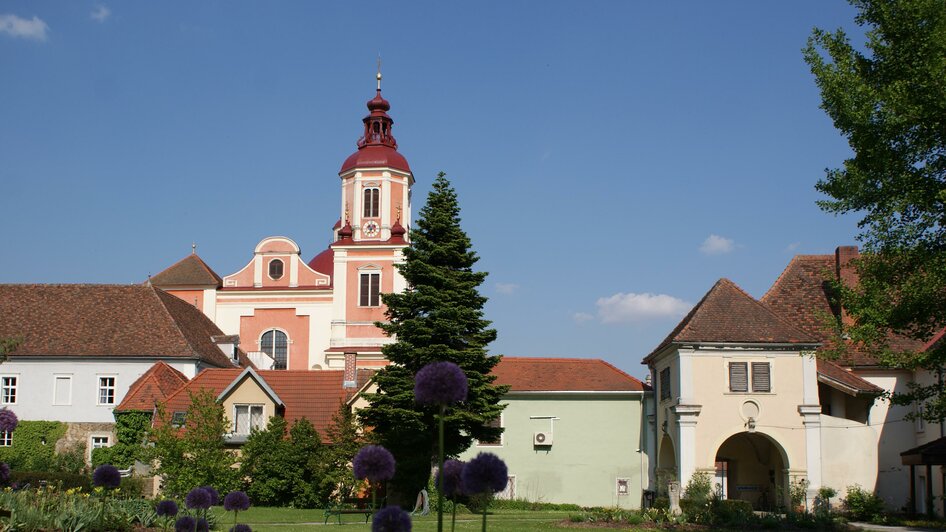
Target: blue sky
column 613, row 159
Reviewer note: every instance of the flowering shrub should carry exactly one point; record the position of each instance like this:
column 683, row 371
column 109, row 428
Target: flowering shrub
column 214, row 495
column 236, row 501
column 8, row 420
column 391, row 519
column 106, row 476
column 241, row 528
column 185, row 523
column 166, row 508
column 197, row 499
column 374, row 463
column 485, row 474
column 440, row 383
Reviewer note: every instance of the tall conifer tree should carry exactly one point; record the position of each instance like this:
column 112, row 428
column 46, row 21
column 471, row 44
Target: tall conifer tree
column 438, row 318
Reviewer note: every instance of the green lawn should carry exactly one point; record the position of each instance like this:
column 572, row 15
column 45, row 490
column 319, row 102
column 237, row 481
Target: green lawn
column 290, row 520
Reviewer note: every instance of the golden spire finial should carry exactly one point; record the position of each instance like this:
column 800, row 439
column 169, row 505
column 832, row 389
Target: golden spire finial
column 379, row 72
column 399, row 212
column 193, row 248
column 345, row 219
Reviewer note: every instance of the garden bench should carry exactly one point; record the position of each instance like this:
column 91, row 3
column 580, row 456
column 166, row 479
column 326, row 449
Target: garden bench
column 354, row 506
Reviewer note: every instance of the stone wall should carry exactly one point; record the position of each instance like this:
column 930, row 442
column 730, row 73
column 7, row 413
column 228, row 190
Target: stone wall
column 77, row 433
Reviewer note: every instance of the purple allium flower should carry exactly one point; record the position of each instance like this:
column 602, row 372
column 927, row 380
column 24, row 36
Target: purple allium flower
column 214, row 495
column 391, row 519
column 8, row 420
column 236, row 501
column 241, row 528
column 449, row 480
column 197, row 498
column 106, row 476
column 440, row 383
column 166, row 508
column 486, row 473
column 202, row 525
column 185, row 524
column 4, row 471
column 374, row 463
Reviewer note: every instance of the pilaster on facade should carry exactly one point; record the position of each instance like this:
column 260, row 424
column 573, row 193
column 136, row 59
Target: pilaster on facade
column 687, row 415
column 811, row 419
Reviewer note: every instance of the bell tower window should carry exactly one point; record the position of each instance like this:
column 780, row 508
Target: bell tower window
column 370, row 290
column 372, row 203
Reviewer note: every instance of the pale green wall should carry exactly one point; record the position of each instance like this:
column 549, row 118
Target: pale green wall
column 596, row 441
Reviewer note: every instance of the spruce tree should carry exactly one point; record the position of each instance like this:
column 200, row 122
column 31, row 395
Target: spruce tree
column 438, row 318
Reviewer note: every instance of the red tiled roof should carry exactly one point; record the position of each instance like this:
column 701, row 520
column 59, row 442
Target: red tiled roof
column 152, row 387
column 189, row 271
column 831, row 373
column 802, row 296
column 314, row 395
column 106, row 320
column 523, row 374
column 727, row 314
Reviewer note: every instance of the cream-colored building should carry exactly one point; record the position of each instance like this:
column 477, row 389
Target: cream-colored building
column 741, row 394
column 737, row 395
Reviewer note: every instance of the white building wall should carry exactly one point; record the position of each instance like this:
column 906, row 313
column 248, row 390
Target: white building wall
column 36, row 381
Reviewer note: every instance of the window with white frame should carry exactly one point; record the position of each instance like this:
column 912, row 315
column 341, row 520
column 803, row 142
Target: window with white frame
column 6, row 438
column 372, row 206
column 97, row 442
column 8, row 385
column 106, row 390
column 275, row 343
column 62, row 389
column 370, row 289
column 744, row 376
column 496, row 424
column 920, row 422
column 248, row 417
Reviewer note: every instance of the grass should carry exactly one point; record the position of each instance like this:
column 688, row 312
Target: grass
column 264, row 519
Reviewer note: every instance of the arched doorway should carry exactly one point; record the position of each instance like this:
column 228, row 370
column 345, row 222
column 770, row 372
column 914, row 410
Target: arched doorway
column 753, row 467
column 666, row 465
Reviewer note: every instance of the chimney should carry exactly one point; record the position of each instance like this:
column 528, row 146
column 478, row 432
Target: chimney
column 846, row 273
column 351, row 369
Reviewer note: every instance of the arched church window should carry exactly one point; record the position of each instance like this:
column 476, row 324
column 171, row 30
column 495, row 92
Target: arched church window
column 275, row 269
column 275, row 343
column 372, row 203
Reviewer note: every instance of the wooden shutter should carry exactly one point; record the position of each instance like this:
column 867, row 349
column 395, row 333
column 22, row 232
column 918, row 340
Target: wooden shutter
column 760, row 377
column 665, row 383
column 365, row 290
column 738, row 377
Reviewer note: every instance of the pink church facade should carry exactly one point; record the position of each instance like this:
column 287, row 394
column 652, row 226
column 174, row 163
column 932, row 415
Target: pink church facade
column 295, row 314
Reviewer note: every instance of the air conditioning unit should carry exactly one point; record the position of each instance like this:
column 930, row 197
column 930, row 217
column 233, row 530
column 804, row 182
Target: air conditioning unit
column 542, row 438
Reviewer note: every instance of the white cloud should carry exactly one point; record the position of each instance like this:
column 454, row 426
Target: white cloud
column 582, row 317
column 792, row 247
column 628, row 308
column 15, row 26
column 506, row 288
column 717, row 245
column 100, row 13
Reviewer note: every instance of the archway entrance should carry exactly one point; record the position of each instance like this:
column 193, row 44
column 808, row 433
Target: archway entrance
column 666, row 465
column 752, row 467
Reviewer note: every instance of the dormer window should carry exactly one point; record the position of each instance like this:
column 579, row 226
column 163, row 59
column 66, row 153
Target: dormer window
column 372, row 203
column 275, row 269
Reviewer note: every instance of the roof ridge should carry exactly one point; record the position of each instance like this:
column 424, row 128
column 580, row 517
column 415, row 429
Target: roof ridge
column 207, row 267
column 177, row 326
column 796, row 258
column 772, row 313
column 691, row 316
column 620, row 371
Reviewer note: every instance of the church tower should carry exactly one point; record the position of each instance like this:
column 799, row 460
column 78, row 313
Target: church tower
column 375, row 211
